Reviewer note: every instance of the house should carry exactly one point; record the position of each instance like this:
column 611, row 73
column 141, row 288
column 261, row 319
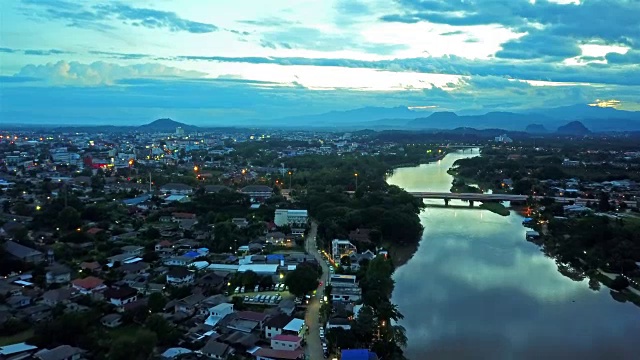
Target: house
column 164, row 244
column 272, row 354
column 275, row 324
column 179, row 276
column 221, row 310
column 339, row 323
column 58, row 274
column 134, row 268
column 62, row 352
column 340, row 248
column 286, row 342
column 216, row 350
column 56, row 296
column 176, row 189
column 240, row 222
column 121, row 296
column 19, row 301
column 91, row 266
column 284, row 217
column 257, row 192
column 23, row 253
column 294, row 327
column 175, row 352
column 189, row 304
column 276, row 238
column 89, row 285
column 17, row 351
column 133, row 250
column 178, row 216
column 179, row 261
column 215, row 188
column 111, row 320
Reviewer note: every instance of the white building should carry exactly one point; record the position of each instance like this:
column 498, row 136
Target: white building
column 285, row 342
column 290, row 217
column 340, row 248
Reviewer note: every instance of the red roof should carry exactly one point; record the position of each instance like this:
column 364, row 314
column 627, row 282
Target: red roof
column 279, row 354
column 252, row 315
column 183, row 215
column 88, row 283
column 93, row 231
column 283, row 337
column 90, row 265
column 165, row 243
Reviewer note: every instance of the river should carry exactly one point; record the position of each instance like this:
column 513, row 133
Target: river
column 476, row 289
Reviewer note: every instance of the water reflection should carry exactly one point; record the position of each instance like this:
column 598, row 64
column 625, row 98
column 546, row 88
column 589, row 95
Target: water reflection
column 475, row 289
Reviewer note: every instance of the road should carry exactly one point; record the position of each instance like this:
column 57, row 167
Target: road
column 314, row 344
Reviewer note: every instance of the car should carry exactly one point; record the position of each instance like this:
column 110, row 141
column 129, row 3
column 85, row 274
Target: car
column 246, row 298
column 256, row 288
column 237, row 290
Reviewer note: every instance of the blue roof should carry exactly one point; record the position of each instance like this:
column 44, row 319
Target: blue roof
column 192, row 254
column 357, row 354
column 275, row 257
column 136, row 200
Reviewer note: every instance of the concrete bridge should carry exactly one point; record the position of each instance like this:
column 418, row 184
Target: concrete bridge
column 471, row 197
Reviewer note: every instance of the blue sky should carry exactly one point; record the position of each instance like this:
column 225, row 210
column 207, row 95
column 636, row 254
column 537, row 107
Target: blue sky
column 215, row 62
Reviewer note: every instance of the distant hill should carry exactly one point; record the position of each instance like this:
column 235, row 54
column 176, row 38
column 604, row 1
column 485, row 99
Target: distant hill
column 381, row 116
column 165, row 125
column 574, row 128
column 501, row 120
column 536, row 129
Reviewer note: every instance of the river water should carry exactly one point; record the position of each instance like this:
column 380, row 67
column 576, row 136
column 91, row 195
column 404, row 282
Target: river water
column 476, row 289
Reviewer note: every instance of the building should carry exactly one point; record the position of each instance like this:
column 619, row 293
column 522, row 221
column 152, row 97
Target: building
column 503, row 139
column 62, row 352
column 216, row 350
column 58, row 274
column 340, row 248
column 176, row 189
column 294, row 327
column 111, row 320
column 23, row 253
column 179, row 276
column 274, row 325
column 339, row 323
column 89, row 285
column 257, row 192
column 290, row 217
column 121, row 296
column 286, row 342
column 271, row 354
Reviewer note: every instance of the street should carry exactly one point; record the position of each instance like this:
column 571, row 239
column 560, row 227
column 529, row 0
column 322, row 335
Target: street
column 314, row 345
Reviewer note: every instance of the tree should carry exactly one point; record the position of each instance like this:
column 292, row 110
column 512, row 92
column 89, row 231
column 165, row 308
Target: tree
column 137, row 347
column 619, row 283
column 603, row 203
column 166, row 333
column 364, row 325
column 302, row 280
column 156, row 302
column 345, row 261
column 69, row 218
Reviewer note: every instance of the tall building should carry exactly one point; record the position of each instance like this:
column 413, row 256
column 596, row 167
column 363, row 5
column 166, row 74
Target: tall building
column 290, row 217
column 340, row 248
column 179, row 131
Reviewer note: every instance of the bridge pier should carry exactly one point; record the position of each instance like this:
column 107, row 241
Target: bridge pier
column 470, row 203
column 446, row 201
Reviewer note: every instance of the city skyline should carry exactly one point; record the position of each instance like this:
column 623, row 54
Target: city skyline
column 131, row 62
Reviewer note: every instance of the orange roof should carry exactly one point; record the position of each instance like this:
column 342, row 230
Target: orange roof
column 165, row 243
column 93, row 231
column 88, row 283
column 183, row 215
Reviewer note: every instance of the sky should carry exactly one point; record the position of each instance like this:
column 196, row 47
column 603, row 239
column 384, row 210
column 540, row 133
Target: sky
column 215, row 62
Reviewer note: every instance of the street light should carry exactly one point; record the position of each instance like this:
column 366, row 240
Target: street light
column 356, row 175
column 196, row 168
column 290, row 173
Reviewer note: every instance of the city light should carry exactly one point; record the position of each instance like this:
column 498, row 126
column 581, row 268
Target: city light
column 196, row 168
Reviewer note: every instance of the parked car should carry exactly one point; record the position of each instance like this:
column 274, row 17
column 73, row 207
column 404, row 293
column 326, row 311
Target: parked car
column 237, row 290
column 242, row 289
column 255, row 289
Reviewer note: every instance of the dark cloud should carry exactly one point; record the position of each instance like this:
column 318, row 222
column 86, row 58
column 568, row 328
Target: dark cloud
column 537, row 46
column 631, row 57
column 35, row 52
column 119, row 55
column 98, row 16
column 457, row 32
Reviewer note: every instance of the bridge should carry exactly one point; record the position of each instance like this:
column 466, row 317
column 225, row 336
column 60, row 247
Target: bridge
column 471, row 197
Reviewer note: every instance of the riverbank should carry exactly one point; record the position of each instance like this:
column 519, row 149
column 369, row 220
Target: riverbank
column 496, row 208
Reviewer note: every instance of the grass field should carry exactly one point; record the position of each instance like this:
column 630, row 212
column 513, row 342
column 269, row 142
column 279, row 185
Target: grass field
column 17, row 338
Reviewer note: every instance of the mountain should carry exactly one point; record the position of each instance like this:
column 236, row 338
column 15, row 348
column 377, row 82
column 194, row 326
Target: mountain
column 501, row 120
column 573, row 128
column 361, row 116
column 166, row 125
column 536, row 129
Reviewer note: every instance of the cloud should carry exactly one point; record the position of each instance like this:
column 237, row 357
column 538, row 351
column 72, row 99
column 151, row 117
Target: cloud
column 538, row 46
column 269, row 22
column 35, row 52
column 455, row 65
column 98, row 16
column 99, row 73
column 631, row 57
column 119, row 55
column 302, row 37
column 17, row 79
column 449, row 33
